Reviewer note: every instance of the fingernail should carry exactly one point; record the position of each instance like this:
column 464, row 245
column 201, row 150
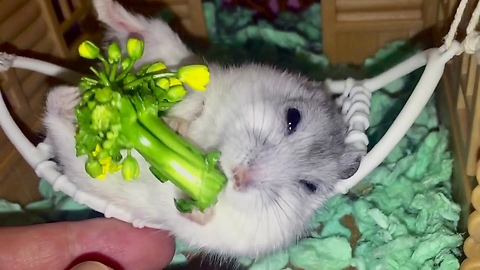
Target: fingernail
column 91, row 266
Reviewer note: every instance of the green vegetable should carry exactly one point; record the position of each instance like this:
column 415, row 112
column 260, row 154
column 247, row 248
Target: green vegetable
column 120, row 110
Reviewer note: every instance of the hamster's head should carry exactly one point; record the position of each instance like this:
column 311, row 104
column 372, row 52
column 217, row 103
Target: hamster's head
column 282, row 144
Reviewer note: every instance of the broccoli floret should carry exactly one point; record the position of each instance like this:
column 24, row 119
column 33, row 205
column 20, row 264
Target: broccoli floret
column 102, row 117
column 120, row 109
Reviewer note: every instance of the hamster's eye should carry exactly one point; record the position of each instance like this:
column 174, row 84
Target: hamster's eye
column 309, row 186
column 293, row 118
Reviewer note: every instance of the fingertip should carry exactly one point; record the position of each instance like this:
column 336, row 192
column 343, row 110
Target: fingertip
column 120, row 243
column 90, row 265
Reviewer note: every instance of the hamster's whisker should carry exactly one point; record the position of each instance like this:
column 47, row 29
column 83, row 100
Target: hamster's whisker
column 277, row 214
column 275, row 210
column 264, row 207
column 270, row 220
column 296, row 212
column 281, row 206
column 275, row 199
column 260, row 214
column 279, row 219
column 263, row 120
column 253, row 114
column 267, row 214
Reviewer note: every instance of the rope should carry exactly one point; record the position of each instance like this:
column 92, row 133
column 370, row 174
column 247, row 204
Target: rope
column 472, row 40
column 456, row 22
column 474, row 20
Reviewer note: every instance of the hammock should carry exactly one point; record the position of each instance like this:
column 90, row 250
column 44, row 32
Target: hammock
column 354, row 100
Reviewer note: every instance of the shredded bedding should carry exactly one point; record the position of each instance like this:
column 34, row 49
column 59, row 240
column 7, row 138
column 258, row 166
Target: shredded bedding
column 402, row 216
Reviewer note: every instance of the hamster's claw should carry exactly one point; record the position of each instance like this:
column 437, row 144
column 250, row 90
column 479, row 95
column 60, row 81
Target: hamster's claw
column 199, row 217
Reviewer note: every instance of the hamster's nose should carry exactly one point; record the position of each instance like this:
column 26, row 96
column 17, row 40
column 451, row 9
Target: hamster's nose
column 241, row 177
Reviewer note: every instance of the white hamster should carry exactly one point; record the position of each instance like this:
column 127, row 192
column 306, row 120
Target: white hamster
column 280, row 135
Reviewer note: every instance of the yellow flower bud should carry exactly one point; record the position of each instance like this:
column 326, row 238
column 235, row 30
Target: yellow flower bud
column 176, row 93
column 93, row 168
column 130, row 168
column 163, row 83
column 196, row 76
column 102, row 176
column 114, row 52
column 135, row 48
column 174, row 81
column 126, row 62
column 114, row 167
column 88, row 50
column 97, row 150
column 105, row 160
column 157, row 66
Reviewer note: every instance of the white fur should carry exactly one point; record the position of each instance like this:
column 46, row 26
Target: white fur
column 242, row 115
column 160, row 41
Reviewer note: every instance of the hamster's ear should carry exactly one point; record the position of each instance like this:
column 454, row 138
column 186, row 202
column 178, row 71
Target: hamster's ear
column 118, row 18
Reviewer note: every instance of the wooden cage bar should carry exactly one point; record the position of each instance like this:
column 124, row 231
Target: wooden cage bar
column 354, row 30
column 459, row 110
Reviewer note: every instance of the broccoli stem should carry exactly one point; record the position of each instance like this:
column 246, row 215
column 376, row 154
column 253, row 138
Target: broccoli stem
column 143, row 78
column 101, row 76
column 168, row 136
column 113, row 72
column 124, row 72
column 106, row 66
column 189, row 170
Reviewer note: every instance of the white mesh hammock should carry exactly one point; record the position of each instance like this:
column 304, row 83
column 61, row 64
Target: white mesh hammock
column 354, row 99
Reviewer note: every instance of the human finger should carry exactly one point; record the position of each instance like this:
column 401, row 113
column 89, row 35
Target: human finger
column 64, row 244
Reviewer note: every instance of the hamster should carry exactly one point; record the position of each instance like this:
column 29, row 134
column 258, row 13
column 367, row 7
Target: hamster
column 280, row 135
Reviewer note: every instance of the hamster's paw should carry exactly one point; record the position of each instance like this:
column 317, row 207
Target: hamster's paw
column 199, row 217
column 62, row 101
column 178, row 124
